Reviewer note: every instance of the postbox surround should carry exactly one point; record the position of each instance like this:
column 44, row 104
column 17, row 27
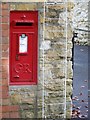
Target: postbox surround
column 23, row 27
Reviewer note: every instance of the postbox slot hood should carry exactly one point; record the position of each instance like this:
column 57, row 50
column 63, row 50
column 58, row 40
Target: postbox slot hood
column 31, row 21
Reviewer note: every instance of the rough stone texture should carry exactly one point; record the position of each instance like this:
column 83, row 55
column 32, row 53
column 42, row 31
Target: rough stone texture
column 54, row 110
column 0, row 65
column 57, row 69
column 80, row 21
column 23, row 1
column 52, row 95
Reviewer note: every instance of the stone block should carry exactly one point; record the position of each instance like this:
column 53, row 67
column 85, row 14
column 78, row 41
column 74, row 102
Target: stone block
column 55, row 116
column 45, row 45
column 54, row 110
column 56, row 21
column 69, row 90
column 40, row 5
column 68, row 110
column 54, row 28
column 12, row 6
column 24, row 1
column 69, row 53
column 58, row 73
column 55, row 53
column 41, row 17
column 70, row 6
column 26, row 107
column 58, row 8
column 54, row 97
column 15, row 99
column 32, row 6
column 39, row 103
column 69, row 45
column 51, row 87
column 39, row 114
column 60, row 45
column 69, row 70
column 55, row 1
column 52, row 14
column 70, row 16
column 27, row 114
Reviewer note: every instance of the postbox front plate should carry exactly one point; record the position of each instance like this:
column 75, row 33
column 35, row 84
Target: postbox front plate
column 23, row 47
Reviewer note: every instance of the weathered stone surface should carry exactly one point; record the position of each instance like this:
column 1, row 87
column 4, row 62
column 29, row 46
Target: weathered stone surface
column 69, row 88
column 58, row 73
column 70, row 16
column 39, row 101
column 80, row 21
column 58, row 8
column 52, row 14
column 53, row 73
column 70, row 6
column 27, row 114
column 12, row 6
column 39, row 114
column 56, row 21
column 55, row 1
column 45, row 45
column 69, row 70
column 59, row 34
column 68, row 110
column 53, row 49
column 54, row 35
column 26, row 107
column 26, row 6
column 69, row 45
column 54, row 97
column 53, row 60
column 56, row 53
column 68, row 99
column 15, row 99
column 54, row 94
column 54, row 110
column 69, row 32
column 54, row 100
column 40, row 5
column 62, row 18
column 23, row 1
column 54, row 28
column 62, row 7
column 41, row 17
column 58, row 45
column 55, row 86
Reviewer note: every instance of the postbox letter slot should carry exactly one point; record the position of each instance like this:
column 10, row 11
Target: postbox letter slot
column 24, row 24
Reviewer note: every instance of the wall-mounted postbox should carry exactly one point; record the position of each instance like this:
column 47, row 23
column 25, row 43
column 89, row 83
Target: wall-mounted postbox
column 23, row 47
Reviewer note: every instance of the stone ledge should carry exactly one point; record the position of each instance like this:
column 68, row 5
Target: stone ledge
column 23, row 1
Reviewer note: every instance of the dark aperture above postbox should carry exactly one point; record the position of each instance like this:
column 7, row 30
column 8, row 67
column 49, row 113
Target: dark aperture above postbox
column 23, row 47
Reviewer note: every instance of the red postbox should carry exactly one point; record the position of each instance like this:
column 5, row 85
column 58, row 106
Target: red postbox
column 23, row 47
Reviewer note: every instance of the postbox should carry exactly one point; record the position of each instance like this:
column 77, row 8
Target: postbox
column 23, row 47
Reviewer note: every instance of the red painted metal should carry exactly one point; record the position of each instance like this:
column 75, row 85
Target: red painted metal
column 23, row 57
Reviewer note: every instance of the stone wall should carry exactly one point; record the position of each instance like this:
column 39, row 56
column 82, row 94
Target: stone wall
column 23, row 0
column 80, row 21
column 0, row 66
column 51, row 97
column 58, row 65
